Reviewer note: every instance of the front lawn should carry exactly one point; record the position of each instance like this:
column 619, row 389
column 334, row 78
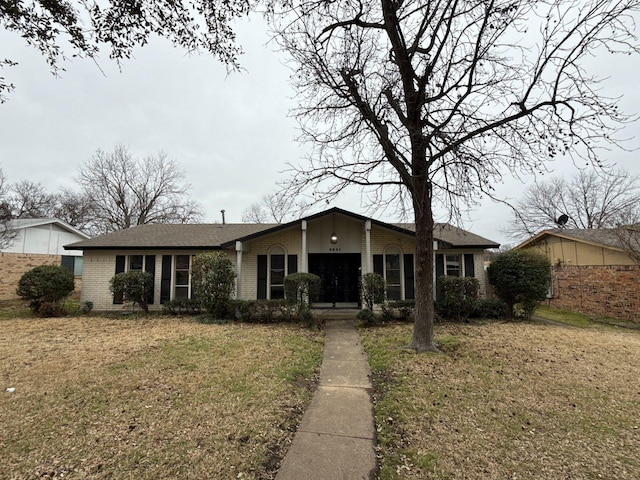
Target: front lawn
column 151, row 398
column 508, row 400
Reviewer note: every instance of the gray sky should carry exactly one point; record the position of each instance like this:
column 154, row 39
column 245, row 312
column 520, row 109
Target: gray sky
column 231, row 134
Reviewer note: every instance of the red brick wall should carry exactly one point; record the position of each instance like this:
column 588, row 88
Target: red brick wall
column 611, row 291
column 14, row 265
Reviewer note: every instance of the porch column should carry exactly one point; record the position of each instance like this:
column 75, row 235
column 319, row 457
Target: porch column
column 238, row 270
column 304, row 265
column 367, row 243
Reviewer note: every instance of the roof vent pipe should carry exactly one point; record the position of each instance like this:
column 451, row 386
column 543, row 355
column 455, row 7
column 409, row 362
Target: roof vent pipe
column 223, row 220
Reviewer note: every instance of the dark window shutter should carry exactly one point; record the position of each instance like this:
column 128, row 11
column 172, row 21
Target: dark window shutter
column 292, row 264
column 378, row 264
column 262, row 277
column 439, row 270
column 408, row 277
column 150, row 267
column 165, row 279
column 120, row 263
column 439, row 265
column 469, row 267
column 68, row 262
column 191, row 282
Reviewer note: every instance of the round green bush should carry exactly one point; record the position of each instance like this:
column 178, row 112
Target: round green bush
column 45, row 284
column 372, row 289
column 520, row 277
column 214, row 282
column 134, row 286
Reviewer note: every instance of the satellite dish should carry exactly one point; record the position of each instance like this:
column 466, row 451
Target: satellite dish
column 562, row 220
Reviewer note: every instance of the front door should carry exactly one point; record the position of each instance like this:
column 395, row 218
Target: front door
column 339, row 274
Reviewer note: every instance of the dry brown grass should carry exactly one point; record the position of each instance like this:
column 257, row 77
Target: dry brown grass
column 508, row 400
column 155, row 398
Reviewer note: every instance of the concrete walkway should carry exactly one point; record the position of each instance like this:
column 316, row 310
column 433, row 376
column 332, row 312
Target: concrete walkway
column 336, row 437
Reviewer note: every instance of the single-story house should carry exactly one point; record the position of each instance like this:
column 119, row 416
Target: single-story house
column 591, row 272
column 337, row 245
column 38, row 241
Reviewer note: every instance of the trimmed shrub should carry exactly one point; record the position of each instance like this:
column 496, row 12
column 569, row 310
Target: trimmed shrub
column 490, row 308
column 134, row 286
column 387, row 312
column 51, row 309
column 46, row 284
column 86, row 307
column 372, row 289
column 367, row 317
column 405, row 308
column 520, row 277
column 302, row 288
column 272, row 311
column 457, row 297
column 187, row 306
column 214, row 282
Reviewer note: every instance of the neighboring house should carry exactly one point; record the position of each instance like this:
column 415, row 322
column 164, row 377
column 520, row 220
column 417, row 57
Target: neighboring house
column 337, row 245
column 38, row 241
column 591, row 273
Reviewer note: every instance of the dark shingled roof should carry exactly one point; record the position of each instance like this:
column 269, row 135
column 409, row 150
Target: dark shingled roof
column 178, row 236
column 454, row 236
column 216, row 236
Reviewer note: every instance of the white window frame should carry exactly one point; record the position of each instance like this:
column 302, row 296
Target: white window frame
column 174, row 277
column 276, row 250
column 391, row 250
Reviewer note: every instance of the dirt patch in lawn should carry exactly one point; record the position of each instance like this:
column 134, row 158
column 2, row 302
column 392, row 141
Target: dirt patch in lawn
column 154, row 398
column 508, row 400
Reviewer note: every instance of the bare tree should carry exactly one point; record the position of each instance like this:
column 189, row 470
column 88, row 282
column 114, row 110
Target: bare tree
column 255, row 213
column 629, row 238
column 275, row 207
column 129, row 191
column 590, row 199
column 62, row 28
column 434, row 100
column 76, row 209
column 7, row 234
column 29, row 199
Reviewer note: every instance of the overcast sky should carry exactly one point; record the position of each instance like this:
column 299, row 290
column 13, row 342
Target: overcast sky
column 231, row 134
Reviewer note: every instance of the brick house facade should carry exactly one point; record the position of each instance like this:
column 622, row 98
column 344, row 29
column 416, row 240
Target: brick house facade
column 337, row 245
column 591, row 273
column 598, row 290
column 14, row 265
column 38, row 241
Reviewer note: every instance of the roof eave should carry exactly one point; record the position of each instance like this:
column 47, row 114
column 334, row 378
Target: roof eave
column 561, row 234
column 155, row 247
column 324, row 213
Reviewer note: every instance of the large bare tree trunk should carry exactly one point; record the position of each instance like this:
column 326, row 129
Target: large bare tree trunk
column 424, row 311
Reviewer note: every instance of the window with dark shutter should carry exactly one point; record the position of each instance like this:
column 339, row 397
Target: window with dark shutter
column 150, row 268
column 165, row 279
column 120, row 266
column 378, row 264
column 469, row 267
column 408, row 277
column 262, row 277
column 68, row 262
column 439, row 265
column 292, row 264
column 439, row 270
